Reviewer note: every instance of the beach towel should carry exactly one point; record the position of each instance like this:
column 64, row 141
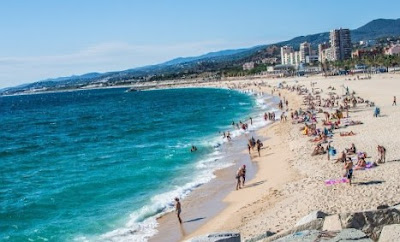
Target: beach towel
column 331, row 182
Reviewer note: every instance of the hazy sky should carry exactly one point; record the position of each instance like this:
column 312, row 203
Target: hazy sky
column 44, row 39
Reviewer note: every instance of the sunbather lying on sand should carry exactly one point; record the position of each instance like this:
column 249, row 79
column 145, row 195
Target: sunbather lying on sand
column 318, row 138
column 318, row 150
column 351, row 123
column 351, row 133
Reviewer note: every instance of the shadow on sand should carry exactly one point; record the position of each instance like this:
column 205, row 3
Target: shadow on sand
column 255, row 184
column 194, row 220
column 369, row 183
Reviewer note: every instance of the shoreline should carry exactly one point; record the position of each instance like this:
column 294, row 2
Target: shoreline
column 264, row 186
column 206, row 201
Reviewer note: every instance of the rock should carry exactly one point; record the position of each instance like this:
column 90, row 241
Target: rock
column 261, row 236
column 332, row 223
column 351, row 235
column 346, row 235
column 218, row 237
column 384, row 206
column 370, row 222
column 302, row 236
column 310, row 217
column 313, row 225
column 390, row 233
column 396, row 206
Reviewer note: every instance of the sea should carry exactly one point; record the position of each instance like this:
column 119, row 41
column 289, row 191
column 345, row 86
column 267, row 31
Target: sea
column 102, row 165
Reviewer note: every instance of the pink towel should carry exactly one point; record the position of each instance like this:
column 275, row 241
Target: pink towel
column 336, row 181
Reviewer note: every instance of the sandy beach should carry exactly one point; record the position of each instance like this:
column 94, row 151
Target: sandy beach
column 289, row 182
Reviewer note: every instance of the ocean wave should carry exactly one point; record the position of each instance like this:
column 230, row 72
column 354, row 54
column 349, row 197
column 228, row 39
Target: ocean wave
column 142, row 223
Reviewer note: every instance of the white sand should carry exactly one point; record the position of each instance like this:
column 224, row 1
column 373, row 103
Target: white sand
column 290, row 183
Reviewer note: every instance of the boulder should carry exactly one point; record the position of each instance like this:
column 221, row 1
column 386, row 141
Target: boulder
column 261, row 236
column 218, row 237
column 310, row 226
column 346, row 235
column 301, row 236
column 351, row 235
column 390, row 233
column 310, row 217
column 383, row 206
column 396, row 206
column 370, row 222
column 332, row 223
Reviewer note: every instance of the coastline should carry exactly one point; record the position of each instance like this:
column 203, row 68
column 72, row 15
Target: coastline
column 206, row 201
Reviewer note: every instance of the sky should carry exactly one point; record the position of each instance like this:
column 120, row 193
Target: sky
column 52, row 38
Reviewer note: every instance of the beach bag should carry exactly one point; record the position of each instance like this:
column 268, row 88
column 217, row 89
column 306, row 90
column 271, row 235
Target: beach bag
column 332, row 152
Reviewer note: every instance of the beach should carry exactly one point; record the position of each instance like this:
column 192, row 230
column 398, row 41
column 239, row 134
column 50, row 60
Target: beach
column 290, row 183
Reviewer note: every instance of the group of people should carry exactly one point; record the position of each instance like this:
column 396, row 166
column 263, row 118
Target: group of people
column 315, row 104
column 252, row 143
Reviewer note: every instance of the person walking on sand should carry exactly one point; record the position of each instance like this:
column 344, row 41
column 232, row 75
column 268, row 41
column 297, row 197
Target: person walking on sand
column 239, row 174
column 394, row 101
column 178, row 209
column 243, row 175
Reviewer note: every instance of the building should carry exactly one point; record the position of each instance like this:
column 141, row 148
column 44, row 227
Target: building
column 305, row 51
column 304, row 55
column 323, row 52
column 393, row 50
column 340, row 41
column 285, row 51
column 248, row 66
column 364, row 53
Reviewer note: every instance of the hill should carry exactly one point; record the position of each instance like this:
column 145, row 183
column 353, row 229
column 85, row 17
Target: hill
column 184, row 67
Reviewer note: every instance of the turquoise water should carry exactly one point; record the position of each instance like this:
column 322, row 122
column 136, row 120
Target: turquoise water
column 100, row 164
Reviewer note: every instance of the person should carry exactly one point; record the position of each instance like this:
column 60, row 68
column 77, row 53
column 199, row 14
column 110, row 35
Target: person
column 361, row 164
column 352, row 150
column 249, row 148
column 228, row 136
column 259, row 145
column 330, row 149
column 341, row 158
column 178, row 209
column 377, row 111
column 251, row 121
column 243, row 175
column 394, row 101
column 193, row 149
column 382, row 154
column 239, row 174
column 348, row 166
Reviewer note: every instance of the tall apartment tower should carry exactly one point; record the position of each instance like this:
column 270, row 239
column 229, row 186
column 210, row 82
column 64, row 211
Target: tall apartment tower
column 340, row 41
column 285, row 52
column 305, row 50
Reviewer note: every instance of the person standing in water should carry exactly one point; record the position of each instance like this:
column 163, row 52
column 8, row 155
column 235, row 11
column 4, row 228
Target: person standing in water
column 178, row 209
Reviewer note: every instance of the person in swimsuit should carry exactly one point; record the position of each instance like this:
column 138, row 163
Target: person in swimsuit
column 243, row 175
column 239, row 174
column 348, row 166
column 178, row 209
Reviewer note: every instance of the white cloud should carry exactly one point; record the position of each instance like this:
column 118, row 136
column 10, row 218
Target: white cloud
column 99, row 58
